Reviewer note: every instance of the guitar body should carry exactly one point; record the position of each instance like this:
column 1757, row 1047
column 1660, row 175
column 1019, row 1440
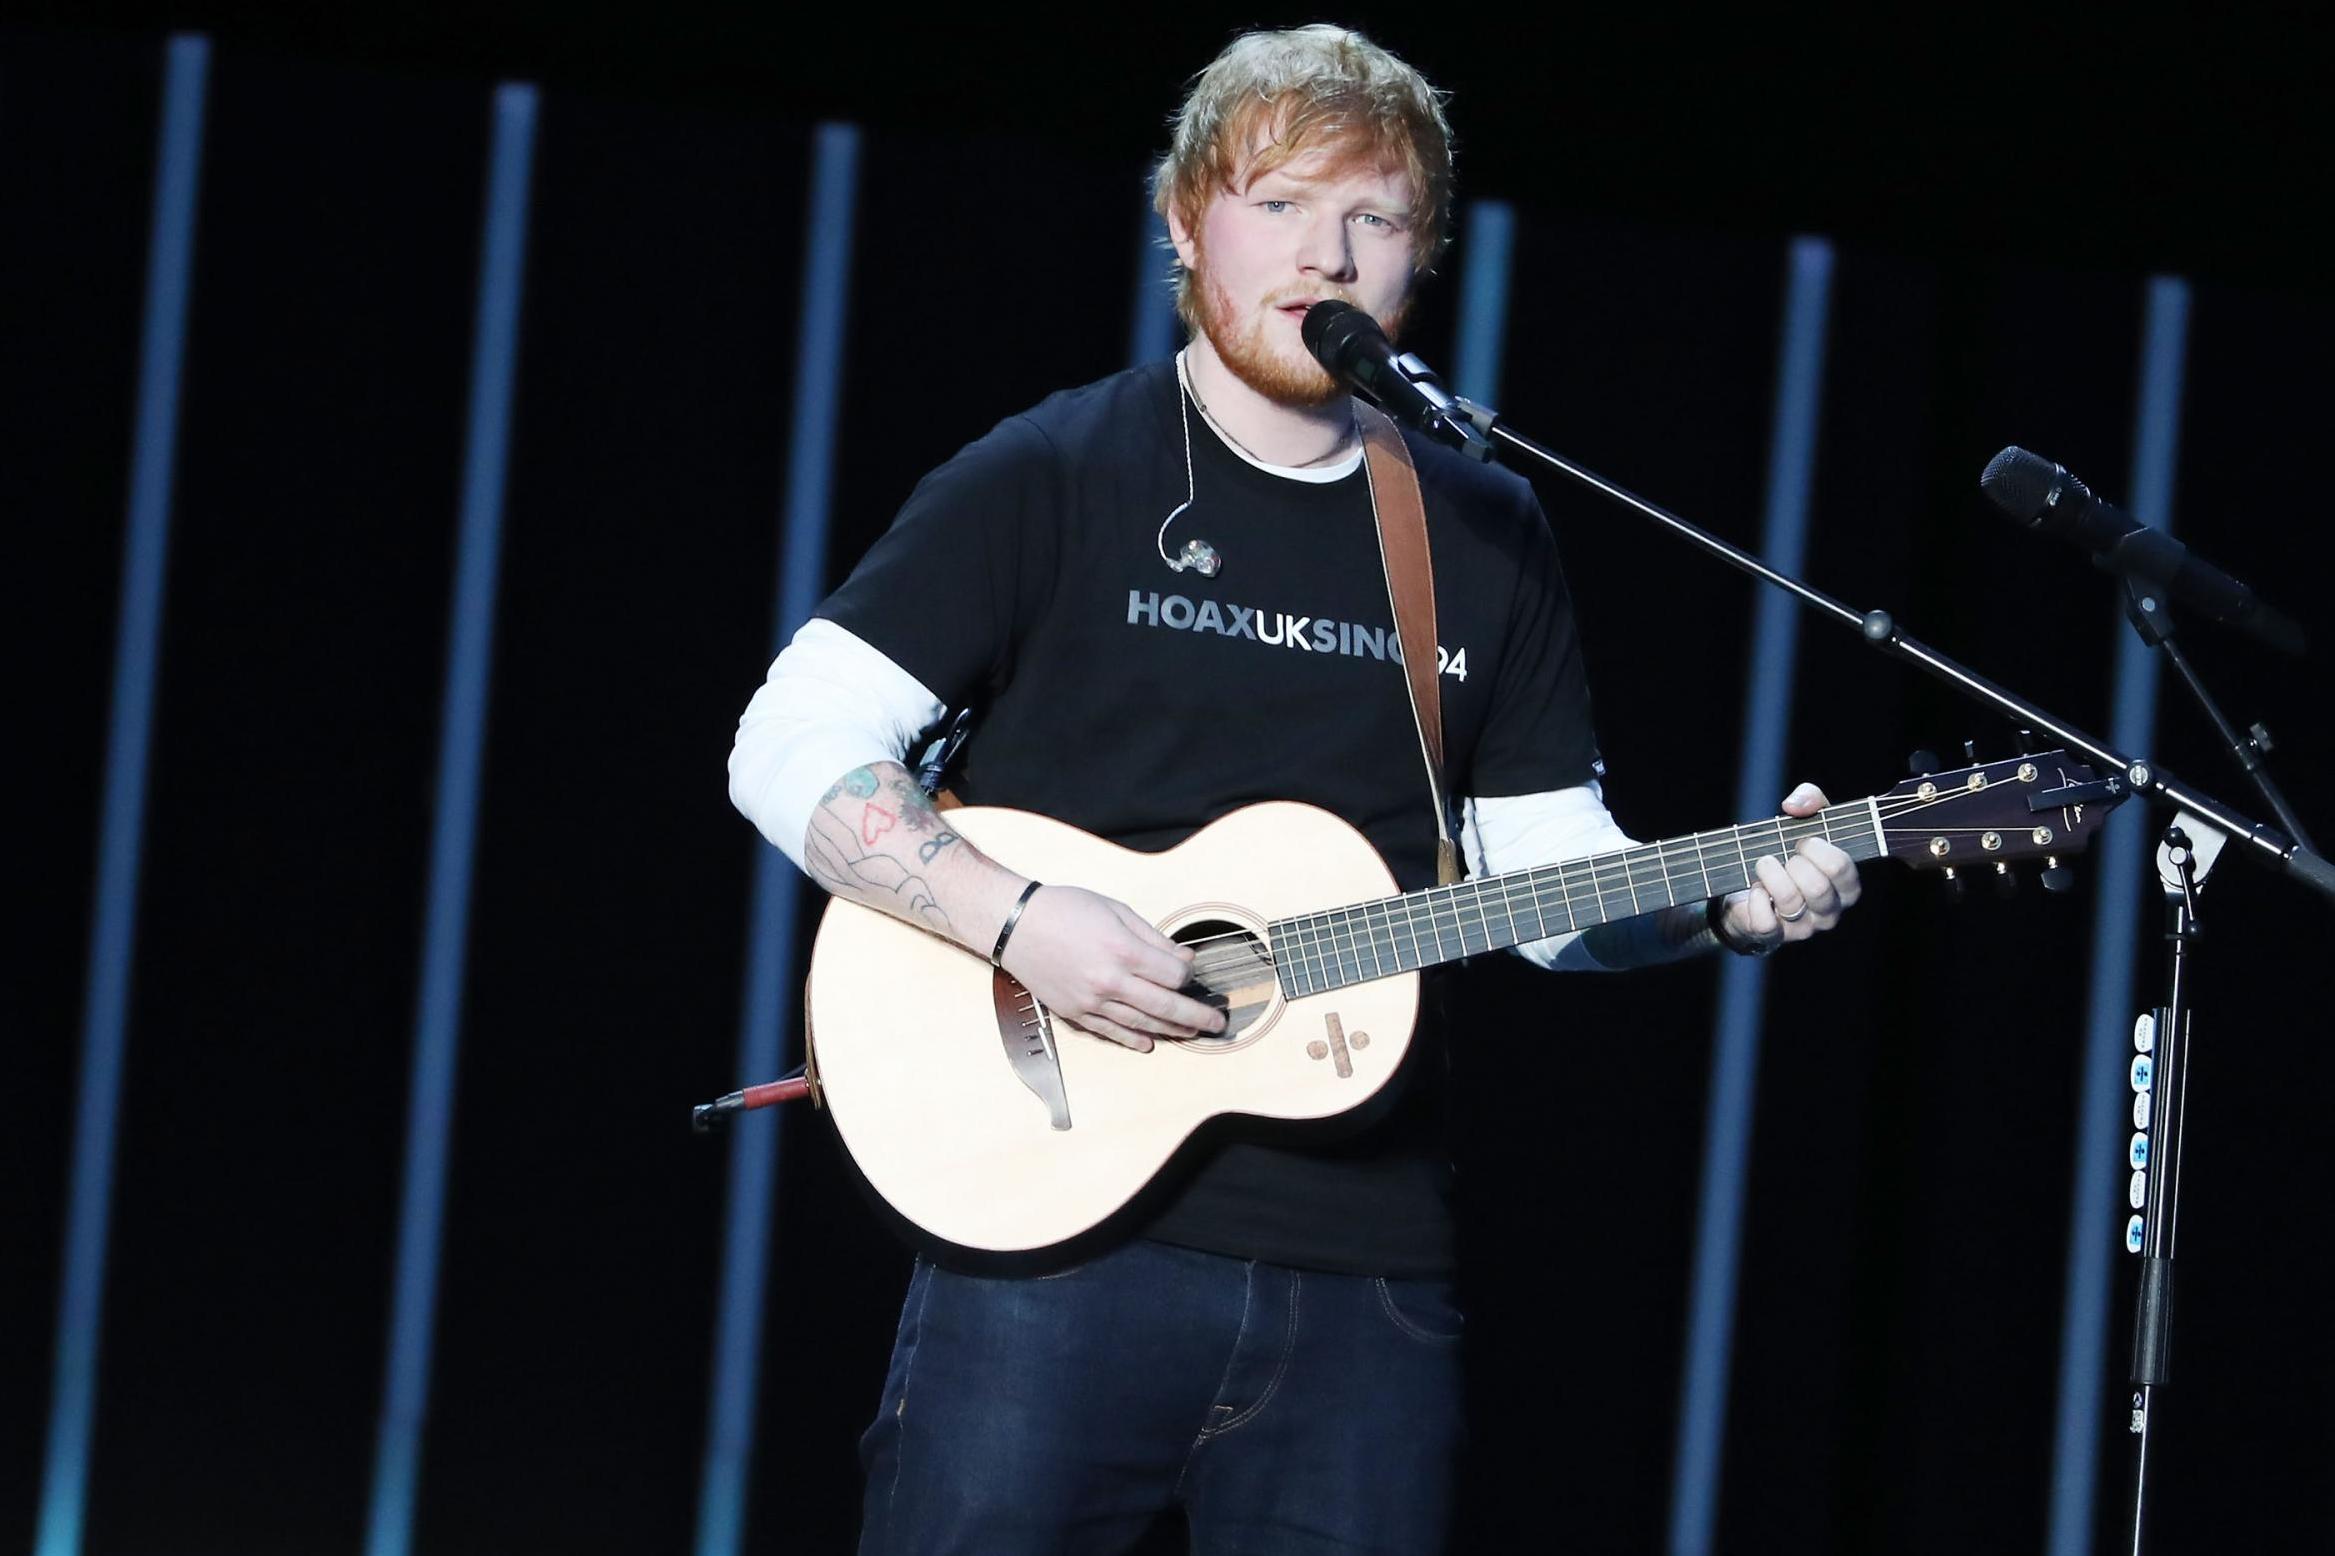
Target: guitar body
column 948, row 1090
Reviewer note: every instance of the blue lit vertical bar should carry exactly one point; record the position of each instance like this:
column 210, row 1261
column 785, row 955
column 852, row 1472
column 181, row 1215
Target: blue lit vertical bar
column 113, row 929
column 1487, row 242
column 453, row 843
column 771, row 974
column 2096, row 1214
column 1767, row 719
column 1151, row 322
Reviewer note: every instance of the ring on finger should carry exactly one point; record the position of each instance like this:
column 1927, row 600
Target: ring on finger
column 1794, row 918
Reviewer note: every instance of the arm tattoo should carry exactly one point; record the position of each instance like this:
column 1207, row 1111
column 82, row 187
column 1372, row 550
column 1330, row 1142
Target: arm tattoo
column 918, row 815
column 843, row 850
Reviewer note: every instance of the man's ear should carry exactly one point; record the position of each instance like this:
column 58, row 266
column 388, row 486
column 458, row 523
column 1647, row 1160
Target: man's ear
column 1181, row 236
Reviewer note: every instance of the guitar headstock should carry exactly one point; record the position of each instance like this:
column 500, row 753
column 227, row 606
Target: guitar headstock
column 2044, row 805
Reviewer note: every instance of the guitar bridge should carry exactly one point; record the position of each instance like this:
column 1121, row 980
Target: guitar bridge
column 1028, row 1034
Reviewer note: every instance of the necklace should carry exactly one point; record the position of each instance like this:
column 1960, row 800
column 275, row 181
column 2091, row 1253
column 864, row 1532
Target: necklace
column 1352, row 433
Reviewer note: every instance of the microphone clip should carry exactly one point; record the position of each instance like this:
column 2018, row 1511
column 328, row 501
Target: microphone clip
column 1459, row 422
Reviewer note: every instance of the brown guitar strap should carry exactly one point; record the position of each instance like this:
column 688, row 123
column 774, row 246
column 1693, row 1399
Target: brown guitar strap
column 1401, row 516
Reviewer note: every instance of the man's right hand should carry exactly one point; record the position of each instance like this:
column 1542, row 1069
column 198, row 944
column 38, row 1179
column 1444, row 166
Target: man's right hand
column 1096, row 963
column 875, row 839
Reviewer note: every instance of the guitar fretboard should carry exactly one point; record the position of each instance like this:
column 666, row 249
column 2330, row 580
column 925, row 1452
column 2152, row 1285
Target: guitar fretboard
column 1316, row 952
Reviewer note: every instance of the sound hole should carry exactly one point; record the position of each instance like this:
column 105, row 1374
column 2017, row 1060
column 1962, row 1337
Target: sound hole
column 1230, row 971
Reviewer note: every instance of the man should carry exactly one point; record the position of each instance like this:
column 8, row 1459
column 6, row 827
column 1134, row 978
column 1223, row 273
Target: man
column 1272, row 1348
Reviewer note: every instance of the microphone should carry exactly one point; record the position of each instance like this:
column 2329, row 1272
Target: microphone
column 1349, row 343
column 2043, row 496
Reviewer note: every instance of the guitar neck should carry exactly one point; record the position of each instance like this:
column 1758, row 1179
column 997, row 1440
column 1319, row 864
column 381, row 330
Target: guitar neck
column 1316, row 952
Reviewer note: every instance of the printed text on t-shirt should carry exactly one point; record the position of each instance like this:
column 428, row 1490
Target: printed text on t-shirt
column 1279, row 629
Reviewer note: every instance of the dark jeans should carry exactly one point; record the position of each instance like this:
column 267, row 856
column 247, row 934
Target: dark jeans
column 1283, row 1410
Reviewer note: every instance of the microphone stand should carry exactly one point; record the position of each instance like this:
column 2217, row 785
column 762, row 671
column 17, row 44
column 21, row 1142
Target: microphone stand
column 2190, row 846
column 2163, row 1037
column 2268, row 845
column 2144, row 608
column 2160, row 1076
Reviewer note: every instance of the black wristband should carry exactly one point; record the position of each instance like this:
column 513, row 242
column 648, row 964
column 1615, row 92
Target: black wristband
column 1715, row 915
column 1005, row 932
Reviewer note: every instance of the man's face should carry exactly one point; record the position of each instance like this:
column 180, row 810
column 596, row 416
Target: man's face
column 1316, row 227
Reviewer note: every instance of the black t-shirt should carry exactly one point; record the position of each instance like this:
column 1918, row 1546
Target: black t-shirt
column 1140, row 704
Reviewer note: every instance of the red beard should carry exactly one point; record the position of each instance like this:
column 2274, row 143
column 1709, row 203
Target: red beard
column 1243, row 346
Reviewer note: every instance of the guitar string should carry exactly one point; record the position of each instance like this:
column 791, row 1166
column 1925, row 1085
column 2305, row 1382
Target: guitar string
column 1565, row 891
column 1597, row 871
column 1590, row 886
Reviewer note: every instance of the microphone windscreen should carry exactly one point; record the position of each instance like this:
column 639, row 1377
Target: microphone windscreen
column 2019, row 483
column 1330, row 327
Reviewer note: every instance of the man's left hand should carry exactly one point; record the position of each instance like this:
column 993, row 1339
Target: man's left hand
column 1796, row 896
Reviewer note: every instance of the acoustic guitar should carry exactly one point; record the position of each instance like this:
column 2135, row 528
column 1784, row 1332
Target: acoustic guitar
column 990, row 1124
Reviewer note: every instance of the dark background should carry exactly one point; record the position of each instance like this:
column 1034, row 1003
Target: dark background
column 1999, row 191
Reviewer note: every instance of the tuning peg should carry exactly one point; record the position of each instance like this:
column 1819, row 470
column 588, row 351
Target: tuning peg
column 2026, row 741
column 2057, row 876
column 1923, row 763
column 1970, row 752
column 2006, row 885
column 1956, row 887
